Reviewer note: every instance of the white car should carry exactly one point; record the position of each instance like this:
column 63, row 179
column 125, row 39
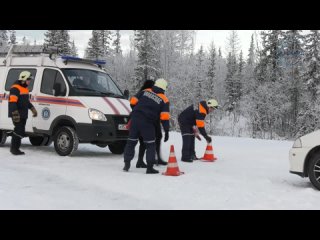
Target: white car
column 304, row 157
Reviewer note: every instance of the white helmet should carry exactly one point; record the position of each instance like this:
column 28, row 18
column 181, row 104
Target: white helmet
column 161, row 83
column 212, row 103
column 25, row 75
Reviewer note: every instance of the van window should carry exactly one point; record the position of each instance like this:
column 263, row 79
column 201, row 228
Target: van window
column 85, row 82
column 13, row 76
column 51, row 80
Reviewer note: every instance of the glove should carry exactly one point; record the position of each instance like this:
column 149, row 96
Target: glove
column 166, row 136
column 16, row 116
column 34, row 112
column 209, row 139
column 196, row 133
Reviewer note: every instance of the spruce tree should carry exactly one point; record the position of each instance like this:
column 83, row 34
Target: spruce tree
column 3, row 38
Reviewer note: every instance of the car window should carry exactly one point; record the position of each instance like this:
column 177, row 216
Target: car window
column 52, row 79
column 13, row 76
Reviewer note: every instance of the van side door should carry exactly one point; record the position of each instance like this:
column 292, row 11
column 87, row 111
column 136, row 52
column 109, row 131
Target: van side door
column 50, row 100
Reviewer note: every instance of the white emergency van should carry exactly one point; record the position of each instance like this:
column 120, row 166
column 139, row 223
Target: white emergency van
column 76, row 100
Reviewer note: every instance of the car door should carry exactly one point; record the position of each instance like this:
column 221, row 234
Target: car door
column 12, row 76
column 50, row 100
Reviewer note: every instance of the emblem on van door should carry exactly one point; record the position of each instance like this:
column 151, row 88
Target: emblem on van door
column 45, row 113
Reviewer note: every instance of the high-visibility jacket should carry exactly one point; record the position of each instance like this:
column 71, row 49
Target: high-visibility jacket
column 195, row 115
column 153, row 104
column 19, row 100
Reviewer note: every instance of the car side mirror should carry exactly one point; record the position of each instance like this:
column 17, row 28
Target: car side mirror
column 126, row 94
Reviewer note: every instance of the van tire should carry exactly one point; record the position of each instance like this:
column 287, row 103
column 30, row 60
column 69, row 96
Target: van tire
column 48, row 141
column 313, row 170
column 3, row 137
column 38, row 140
column 117, row 147
column 66, row 141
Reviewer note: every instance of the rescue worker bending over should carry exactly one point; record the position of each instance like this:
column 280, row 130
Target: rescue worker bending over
column 151, row 104
column 148, row 84
column 19, row 104
column 194, row 115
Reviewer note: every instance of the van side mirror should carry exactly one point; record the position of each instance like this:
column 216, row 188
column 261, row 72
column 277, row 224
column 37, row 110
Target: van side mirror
column 126, row 94
column 57, row 89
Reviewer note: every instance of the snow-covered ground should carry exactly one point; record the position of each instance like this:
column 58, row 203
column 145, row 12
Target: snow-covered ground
column 249, row 174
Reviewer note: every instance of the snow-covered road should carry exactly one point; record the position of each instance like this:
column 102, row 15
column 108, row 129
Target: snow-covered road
column 249, row 174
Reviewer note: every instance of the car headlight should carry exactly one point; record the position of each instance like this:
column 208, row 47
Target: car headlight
column 297, row 143
column 97, row 115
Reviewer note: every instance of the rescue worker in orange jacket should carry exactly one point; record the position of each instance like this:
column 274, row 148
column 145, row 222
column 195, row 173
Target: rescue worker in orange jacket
column 191, row 116
column 148, row 84
column 151, row 105
column 19, row 103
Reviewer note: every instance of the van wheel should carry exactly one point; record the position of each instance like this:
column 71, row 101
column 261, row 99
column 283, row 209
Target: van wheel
column 38, row 141
column 3, row 137
column 66, row 141
column 117, row 147
column 314, row 171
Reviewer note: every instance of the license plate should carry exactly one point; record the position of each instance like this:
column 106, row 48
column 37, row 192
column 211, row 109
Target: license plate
column 122, row 127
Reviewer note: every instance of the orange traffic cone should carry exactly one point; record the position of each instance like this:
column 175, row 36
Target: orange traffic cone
column 172, row 169
column 208, row 155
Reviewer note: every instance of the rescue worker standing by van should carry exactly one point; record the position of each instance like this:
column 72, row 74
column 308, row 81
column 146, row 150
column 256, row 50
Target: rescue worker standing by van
column 194, row 115
column 151, row 104
column 19, row 104
column 148, row 84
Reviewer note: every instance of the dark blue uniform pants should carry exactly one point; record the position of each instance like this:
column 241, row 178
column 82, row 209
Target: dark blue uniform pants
column 140, row 126
column 188, row 141
column 18, row 133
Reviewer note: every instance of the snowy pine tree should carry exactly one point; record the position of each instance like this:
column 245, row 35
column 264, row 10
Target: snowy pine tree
column 74, row 50
column 116, row 43
column 13, row 38
column 3, row 38
column 148, row 65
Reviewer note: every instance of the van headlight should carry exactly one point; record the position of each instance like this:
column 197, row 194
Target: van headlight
column 297, row 143
column 97, row 115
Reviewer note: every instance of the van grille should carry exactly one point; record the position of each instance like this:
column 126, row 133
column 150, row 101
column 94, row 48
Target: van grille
column 121, row 120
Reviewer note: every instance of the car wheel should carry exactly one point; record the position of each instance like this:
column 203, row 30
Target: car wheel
column 66, row 141
column 3, row 137
column 117, row 147
column 314, row 171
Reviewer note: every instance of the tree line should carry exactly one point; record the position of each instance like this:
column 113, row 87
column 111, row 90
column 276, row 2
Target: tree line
column 271, row 93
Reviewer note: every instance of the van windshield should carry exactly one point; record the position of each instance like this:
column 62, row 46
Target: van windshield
column 85, row 82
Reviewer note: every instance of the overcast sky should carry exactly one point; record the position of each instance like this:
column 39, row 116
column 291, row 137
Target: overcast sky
column 203, row 37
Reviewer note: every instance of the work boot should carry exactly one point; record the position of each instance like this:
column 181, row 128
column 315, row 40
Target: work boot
column 151, row 170
column 194, row 157
column 186, row 160
column 141, row 164
column 126, row 166
column 16, row 152
column 161, row 162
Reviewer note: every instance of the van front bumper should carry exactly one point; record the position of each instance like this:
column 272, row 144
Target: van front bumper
column 100, row 132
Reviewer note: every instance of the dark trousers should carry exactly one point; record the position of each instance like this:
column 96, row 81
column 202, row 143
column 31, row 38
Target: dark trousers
column 188, row 141
column 18, row 133
column 140, row 126
column 142, row 147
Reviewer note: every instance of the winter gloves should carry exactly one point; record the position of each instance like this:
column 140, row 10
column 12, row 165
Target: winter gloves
column 16, row 116
column 34, row 112
column 209, row 139
column 166, row 136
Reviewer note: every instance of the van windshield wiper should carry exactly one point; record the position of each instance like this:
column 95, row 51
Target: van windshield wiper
column 100, row 92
